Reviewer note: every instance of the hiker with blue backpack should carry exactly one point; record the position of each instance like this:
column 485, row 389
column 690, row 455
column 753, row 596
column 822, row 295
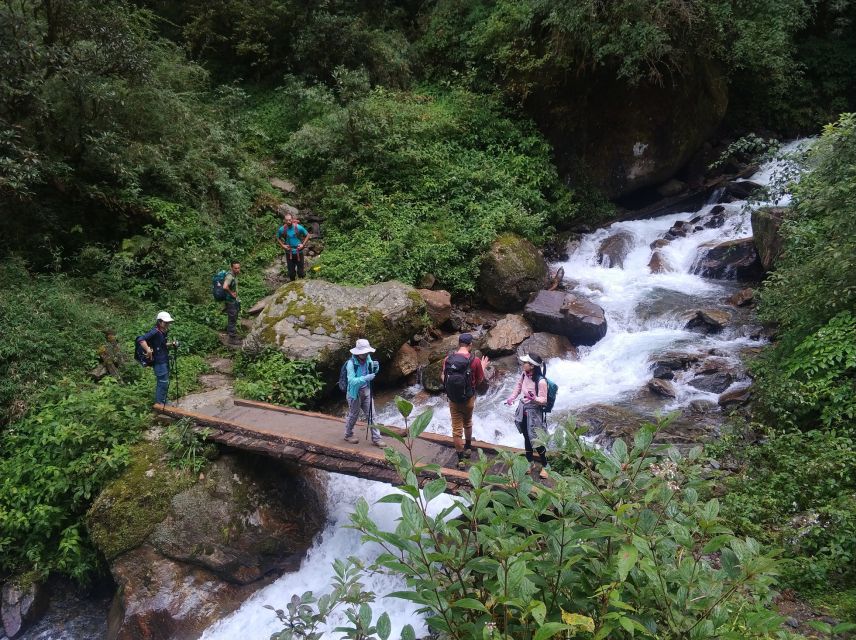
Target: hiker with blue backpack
column 224, row 288
column 355, row 378
column 530, row 417
column 293, row 237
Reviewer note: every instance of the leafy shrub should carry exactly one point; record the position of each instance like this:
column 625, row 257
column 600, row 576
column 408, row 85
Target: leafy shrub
column 187, row 448
column 271, row 377
column 622, row 546
column 798, row 491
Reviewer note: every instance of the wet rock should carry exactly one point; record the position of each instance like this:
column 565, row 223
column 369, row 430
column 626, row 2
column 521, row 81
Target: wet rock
column 662, row 387
column 426, row 281
column 663, row 372
column 658, row 263
column 707, row 320
column 567, row 314
column 731, row 260
column 671, row 188
column 506, row 335
column 614, row 249
column 715, row 218
column 675, row 360
column 678, row 230
column 712, row 383
column 431, row 377
column 202, row 553
column 388, row 314
column 439, row 305
column 741, row 189
column 21, row 605
column 766, row 224
column 511, row 271
column 659, row 243
column 702, row 406
column 405, row 362
column 735, row 397
column 548, row 345
column 742, row 298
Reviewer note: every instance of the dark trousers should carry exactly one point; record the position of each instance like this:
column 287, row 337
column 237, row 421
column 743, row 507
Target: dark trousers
column 295, row 264
column 231, row 318
column 528, row 434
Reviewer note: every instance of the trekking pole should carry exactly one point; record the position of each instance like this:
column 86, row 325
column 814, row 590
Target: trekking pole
column 371, row 412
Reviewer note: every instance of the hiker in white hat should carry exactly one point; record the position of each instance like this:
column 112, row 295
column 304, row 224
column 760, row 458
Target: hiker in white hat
column 355, row 379
column 156, row 350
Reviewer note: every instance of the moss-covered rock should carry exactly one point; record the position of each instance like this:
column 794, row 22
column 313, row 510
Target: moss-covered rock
column 511, row 271
column 766, row 223
column 320, row 321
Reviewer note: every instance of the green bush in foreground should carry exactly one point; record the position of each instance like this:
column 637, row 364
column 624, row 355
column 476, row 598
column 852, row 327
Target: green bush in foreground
column 620, row 545
column 271, row 377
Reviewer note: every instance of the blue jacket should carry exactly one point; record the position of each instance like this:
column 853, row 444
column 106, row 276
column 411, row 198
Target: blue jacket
column 357, row 374
column 157, row 341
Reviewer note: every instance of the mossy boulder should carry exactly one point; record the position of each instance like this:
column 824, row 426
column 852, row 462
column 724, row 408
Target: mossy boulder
column 511, row 271
column 767, row 237
column 320, row 321
column 187, row 550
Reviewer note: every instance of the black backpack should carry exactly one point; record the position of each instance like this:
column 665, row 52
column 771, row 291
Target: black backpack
column 457, row 380
column 139, row 353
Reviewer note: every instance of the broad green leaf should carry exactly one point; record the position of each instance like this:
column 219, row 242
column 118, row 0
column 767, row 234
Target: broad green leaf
column 539, row 611
column 405, row 408
column 392, row 498
column 549, row 629
column 384, row 628
column 421, row 423
column 407, row 633
column 626, row 560
column 434, row 489
column 716, row 543
column 578, row 621
column 469, row 603
column 619, row 450
column 365, row 615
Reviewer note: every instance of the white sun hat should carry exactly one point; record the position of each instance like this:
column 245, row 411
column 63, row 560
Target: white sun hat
column 526, row 358
column 163, row 315
column 362, row 347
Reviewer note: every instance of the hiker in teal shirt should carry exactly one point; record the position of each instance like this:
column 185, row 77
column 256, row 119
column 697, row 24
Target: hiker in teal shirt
column 293, row 237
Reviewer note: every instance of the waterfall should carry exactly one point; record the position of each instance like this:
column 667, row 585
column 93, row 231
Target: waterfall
column 645, row 314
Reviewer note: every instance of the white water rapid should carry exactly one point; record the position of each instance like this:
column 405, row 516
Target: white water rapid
column 643, row 311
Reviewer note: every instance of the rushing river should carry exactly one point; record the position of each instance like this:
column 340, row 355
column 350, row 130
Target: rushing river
column 645, row 314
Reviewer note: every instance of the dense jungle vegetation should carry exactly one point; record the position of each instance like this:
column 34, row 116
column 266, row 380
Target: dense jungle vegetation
column 136, row 139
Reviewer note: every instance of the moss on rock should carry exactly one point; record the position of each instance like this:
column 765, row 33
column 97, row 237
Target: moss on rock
column 511, row 271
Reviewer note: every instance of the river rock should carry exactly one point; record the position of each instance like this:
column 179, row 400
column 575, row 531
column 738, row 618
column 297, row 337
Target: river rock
column 511, row 271
column 662, row 387
column 713, row 383
column 439, row 305
column 731, row 260
column 735, row 397
column 202, row 553
column 663, row 372
column 567, row 314
column 439, row 349
column 405, row 362
column 678, row 230
column 702, row 406
column 431, row 377
column 548, row 345
column 741, row 189
column 509, row 332
column 658, row 263
column 766, row 225
column 614, row 249
column 674, row 361
column 707, row 320
column 387, row 314
column 742, row 298
column 21, row 605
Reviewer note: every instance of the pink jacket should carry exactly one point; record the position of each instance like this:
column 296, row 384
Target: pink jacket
column 526, row 385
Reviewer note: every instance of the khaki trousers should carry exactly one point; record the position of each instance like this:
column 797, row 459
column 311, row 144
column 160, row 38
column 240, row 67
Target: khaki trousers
column 462, row 421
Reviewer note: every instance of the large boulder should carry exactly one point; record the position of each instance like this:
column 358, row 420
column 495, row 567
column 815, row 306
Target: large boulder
column 707, row 320
column 548, row 345
column 405, row 362
column 511, row 271
column 766, row 225
column 567, row 314
column 623, row 136
column 438, row 304
column 22, row 603
column 731, row 260
column 506, row 334
column 185, row 553
column 741, row 189
column 614, row 249
column 318, row 320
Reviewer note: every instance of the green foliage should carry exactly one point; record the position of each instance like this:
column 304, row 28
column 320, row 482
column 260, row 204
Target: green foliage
column 187, row 447
column 416, row 183
column 271, row 377
column 797, row 491
column 807, row 378
column 619, row 545
column 54, row 462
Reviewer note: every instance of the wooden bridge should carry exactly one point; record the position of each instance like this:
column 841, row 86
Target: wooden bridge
column 316, row 440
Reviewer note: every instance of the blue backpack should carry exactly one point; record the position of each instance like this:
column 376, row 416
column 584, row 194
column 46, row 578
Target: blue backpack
column 552, row 392
column 217, row 286
column 343, row 377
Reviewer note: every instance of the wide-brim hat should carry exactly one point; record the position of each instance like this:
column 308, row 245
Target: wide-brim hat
column 362, row 347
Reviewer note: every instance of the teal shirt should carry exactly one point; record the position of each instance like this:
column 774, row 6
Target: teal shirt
column 357, row 374
column 293, row 237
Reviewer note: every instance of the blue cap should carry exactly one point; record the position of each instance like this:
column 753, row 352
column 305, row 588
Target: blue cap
column 465, row 338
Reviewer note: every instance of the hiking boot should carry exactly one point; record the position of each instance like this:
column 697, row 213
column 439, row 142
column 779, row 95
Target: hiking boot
column 462, row 464
column 380, row 444
column 352, row 440
column 468, row 452
column 543, row 473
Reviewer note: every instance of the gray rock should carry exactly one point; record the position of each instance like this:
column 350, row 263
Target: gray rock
column 387, row 314
column 510, row 272
column 504, row 337
column 732, row 260
column 702, row 406
column 663, row 372
column 431, row 377
column 21, row 605
column 766, row 224
column 439, row 305
column 713, row 383
column 405, row 362
column 735, row 397
column 658, row 263
column 567, row 314
column 548, row 345
column 707, row 320
column 614, row 249
column 662, row 387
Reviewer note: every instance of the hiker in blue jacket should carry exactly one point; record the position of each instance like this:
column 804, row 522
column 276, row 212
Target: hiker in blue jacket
column 361, row 371
column 293, row 237
column 156, row 348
